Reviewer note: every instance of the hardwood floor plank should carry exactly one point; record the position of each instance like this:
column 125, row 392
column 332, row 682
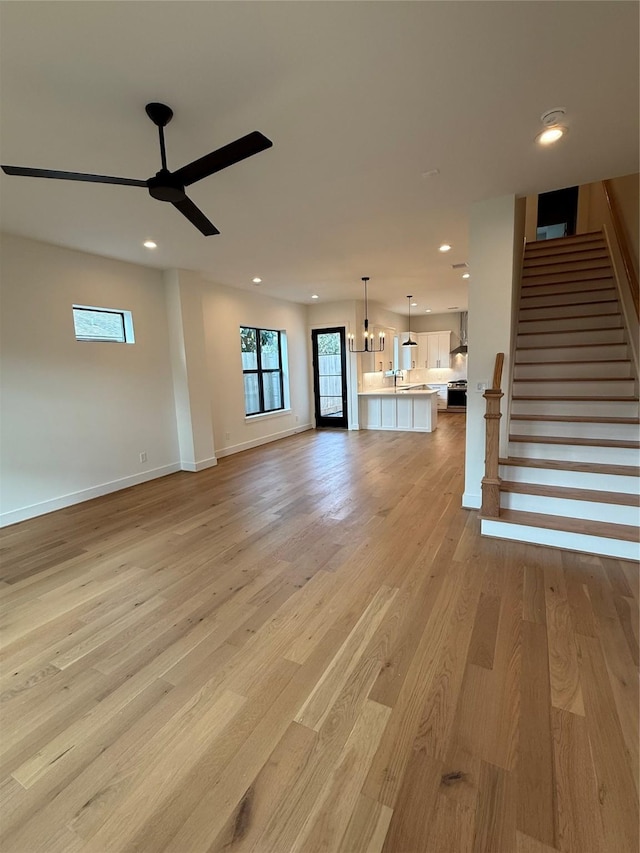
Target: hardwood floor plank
column 616, row 771
column 367, row 828
column 328, row 819
column 578, row 822
column 535, row 788
column 495, row 827
column 566, row 691
column 162, row 641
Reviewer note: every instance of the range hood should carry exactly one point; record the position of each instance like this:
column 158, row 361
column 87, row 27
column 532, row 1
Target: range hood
column 462, row 349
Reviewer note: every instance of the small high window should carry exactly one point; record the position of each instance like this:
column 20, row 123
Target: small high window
column 102, row 324
column 262, row 370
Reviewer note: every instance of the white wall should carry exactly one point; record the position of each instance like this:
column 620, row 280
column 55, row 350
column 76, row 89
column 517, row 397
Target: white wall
column 224, row 310
column 496, row 229
column 76, row 415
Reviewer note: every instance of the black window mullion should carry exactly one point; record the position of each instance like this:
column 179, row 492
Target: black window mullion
column 259, row 356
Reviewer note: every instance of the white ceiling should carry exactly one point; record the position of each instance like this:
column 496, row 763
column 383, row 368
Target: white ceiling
column 359, row 98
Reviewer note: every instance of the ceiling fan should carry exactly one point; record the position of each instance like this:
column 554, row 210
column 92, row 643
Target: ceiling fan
column 166, row 185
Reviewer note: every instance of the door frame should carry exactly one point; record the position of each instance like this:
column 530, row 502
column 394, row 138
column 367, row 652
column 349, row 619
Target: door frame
column 336, row 423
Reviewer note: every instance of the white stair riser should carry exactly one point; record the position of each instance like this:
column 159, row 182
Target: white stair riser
column 551, row 337
column 560, row 539
column 568, row 270
column 597, row 388
column 563, row 299
column 585, row 370
column 586, row 309
column 575, row 452
column 576, row 429
column 589, row 353
column 579, row 254
column 599, row 408
column 565, row 508
column 570, row 479
column 568, row 287
column 566, row 246
column 571, row 325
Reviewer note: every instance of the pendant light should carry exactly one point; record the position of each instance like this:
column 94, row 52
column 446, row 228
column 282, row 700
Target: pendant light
column 409, row 342
column 369, row 342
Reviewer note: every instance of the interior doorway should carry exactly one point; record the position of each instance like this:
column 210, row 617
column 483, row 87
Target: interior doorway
column 330, row 377
column 557, row 214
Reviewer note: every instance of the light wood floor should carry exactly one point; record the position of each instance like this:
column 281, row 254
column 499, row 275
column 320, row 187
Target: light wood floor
column 310, row 648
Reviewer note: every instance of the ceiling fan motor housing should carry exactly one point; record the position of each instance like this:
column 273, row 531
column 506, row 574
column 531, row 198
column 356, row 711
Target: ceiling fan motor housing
column 165, row 187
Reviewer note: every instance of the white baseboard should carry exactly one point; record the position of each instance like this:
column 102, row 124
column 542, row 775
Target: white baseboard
column 256, row 442
column 199, row 466
column 22, row 514
column 471, row 501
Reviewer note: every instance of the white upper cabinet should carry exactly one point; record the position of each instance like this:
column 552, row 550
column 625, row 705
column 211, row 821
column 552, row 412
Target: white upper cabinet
column 433, row 349
column 407, row 356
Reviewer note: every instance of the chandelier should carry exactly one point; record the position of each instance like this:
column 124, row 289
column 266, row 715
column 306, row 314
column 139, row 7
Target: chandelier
column 369, row 341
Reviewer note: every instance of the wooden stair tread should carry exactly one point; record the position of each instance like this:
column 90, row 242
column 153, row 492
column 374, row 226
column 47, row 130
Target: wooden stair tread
column 579, row 361
column 570, row 493
column 569, row 525
column 568, row 346
column 594, row 253
column 578, row 331
column 567, row 304
column 604, row 279
column 577, row 378
column 610, row 399
column 562, row 465
column 599, row 263
column 575, row 441
column 580, row 419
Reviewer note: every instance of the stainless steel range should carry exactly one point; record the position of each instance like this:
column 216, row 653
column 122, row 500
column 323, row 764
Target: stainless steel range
column 457, row 394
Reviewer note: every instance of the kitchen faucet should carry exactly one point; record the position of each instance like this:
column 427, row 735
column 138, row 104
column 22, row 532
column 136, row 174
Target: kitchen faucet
column 397, row 373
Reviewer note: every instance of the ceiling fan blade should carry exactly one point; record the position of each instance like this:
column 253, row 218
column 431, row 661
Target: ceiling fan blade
column 229, row 154
column 71, row 176
column 195, row 216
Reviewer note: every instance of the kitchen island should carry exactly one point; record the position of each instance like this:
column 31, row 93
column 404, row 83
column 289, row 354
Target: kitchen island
column 408, row 408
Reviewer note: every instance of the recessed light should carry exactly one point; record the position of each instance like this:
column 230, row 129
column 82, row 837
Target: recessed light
column 550, row 135
column 431, row 173
column 466, row 275
column 150, row 244
column 256, row 280
column 315, row 296
column 444, row 248
column 414, row 304
column 427, row 310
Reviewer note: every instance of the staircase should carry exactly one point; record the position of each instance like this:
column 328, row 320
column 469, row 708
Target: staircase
column 571, row 479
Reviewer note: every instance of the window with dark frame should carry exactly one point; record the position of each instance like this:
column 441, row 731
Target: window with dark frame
column 107, row 325
column 262, row 370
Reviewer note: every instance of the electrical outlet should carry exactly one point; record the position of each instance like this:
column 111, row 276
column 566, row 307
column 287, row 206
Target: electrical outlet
column 143, row 456
column 481, row 386
column 227, row 435
column 297, row 419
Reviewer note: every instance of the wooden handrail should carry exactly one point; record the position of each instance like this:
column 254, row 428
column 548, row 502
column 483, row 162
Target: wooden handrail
column 623, row 243
column 491, row 480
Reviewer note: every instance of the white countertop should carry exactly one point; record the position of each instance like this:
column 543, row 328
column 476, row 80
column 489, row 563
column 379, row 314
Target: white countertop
column 417, row 390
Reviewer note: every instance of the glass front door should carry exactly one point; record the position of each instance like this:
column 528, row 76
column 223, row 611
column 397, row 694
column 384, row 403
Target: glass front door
column 329, row 377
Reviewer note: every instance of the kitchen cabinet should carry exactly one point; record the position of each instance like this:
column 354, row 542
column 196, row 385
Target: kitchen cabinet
column 433, row 349
column 442, row 390
column 407, row 356
column 438, row 348
column 404, row 410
